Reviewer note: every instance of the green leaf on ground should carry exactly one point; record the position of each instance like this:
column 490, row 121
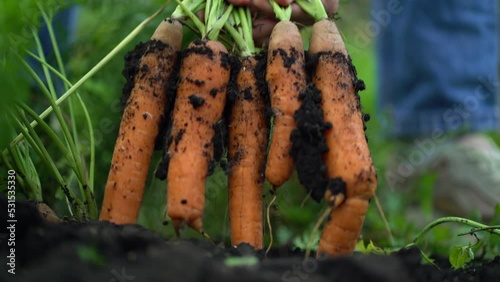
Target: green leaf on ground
column 460, row 256
column 241, row 261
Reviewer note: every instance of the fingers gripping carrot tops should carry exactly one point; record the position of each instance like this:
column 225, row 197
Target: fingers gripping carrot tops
column 248, row 137
column 201, row 97
column 139, row 127
column 348, row 158
column 286, row 78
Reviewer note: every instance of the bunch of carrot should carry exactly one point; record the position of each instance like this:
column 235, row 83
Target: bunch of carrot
column 212, row 85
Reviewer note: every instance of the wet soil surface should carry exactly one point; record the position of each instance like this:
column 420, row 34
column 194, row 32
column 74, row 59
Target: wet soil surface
column 99, row 251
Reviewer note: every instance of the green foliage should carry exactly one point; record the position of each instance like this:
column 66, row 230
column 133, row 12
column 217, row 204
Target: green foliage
column 460, row 256
column 303, row 242
column 370, row 248
column 90, row 254
column 241, row 261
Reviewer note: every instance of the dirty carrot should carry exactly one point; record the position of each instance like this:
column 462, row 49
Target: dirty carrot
column 248, row 136
column 201, row 97
column 348, row 158
column 144, row 110
column 286, row 78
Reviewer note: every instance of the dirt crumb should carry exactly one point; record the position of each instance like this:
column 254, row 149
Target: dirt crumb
column 213, row 92
column 179, row 135
column 219, row 143
column 196, row 101
column 288, row 60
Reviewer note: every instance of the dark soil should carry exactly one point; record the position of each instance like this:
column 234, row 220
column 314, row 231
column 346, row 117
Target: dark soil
column 100, row 251
column 196, row 101
column 309, row 145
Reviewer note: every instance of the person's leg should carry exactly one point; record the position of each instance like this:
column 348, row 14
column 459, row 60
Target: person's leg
column 438, row 76
column 438, row 66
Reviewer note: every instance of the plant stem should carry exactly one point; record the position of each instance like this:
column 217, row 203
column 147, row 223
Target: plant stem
column 91, row 144
column 188, row 13
column 55, row 46
column 193, row 6
column 48, row 130
column 282, row 14
column 215, row 28
column 237, row 38
column 69, row 140
column 35, row 142
column 314, row 8
column 89, row 125
column 452, row 219
column 26, row 168
column 239, row 28
column 20, row 168
column 246, row 24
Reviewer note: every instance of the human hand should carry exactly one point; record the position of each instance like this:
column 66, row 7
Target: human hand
column 265, row 20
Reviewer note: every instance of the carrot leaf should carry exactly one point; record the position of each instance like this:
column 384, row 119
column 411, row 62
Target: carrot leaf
column 282, row 13
column 239, row 27
column 314, row 8
column 216, row 26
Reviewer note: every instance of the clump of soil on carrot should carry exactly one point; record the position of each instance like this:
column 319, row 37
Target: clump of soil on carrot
column 288, row 61
column 309, row 145
column 132, row 60
column 164, row 137
column 219, row 143
column 308, row 139
column 339, row 58
column 196, row 101
column 133, row 64
column 260, row 74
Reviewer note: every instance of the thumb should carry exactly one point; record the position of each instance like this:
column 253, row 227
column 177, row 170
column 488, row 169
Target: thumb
column 284, row 3
column 240, row 2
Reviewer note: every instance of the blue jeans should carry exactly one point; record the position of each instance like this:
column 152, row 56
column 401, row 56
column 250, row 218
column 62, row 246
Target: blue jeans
column 437, row 65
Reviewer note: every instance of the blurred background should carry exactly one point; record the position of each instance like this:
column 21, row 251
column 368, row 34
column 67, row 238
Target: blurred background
column 100, row 26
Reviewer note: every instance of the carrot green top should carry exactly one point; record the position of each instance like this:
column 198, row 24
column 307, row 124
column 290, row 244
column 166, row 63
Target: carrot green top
column 282, row 13
column 314, row 8
column 217, row 12
column 239, row 26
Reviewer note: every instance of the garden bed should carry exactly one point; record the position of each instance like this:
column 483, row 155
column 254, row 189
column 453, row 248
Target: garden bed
column 100, row 251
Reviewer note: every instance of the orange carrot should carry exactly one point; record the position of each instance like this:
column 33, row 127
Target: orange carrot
column 139, row 127
column 348, row 158
column 201, row 97
column 286, row 78
column 248, row 136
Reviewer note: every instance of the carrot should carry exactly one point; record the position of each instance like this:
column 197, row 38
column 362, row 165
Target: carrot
column 139, row 126
column 286, row 78
column 348, row 158
column 201, row 97
column 248, row 137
